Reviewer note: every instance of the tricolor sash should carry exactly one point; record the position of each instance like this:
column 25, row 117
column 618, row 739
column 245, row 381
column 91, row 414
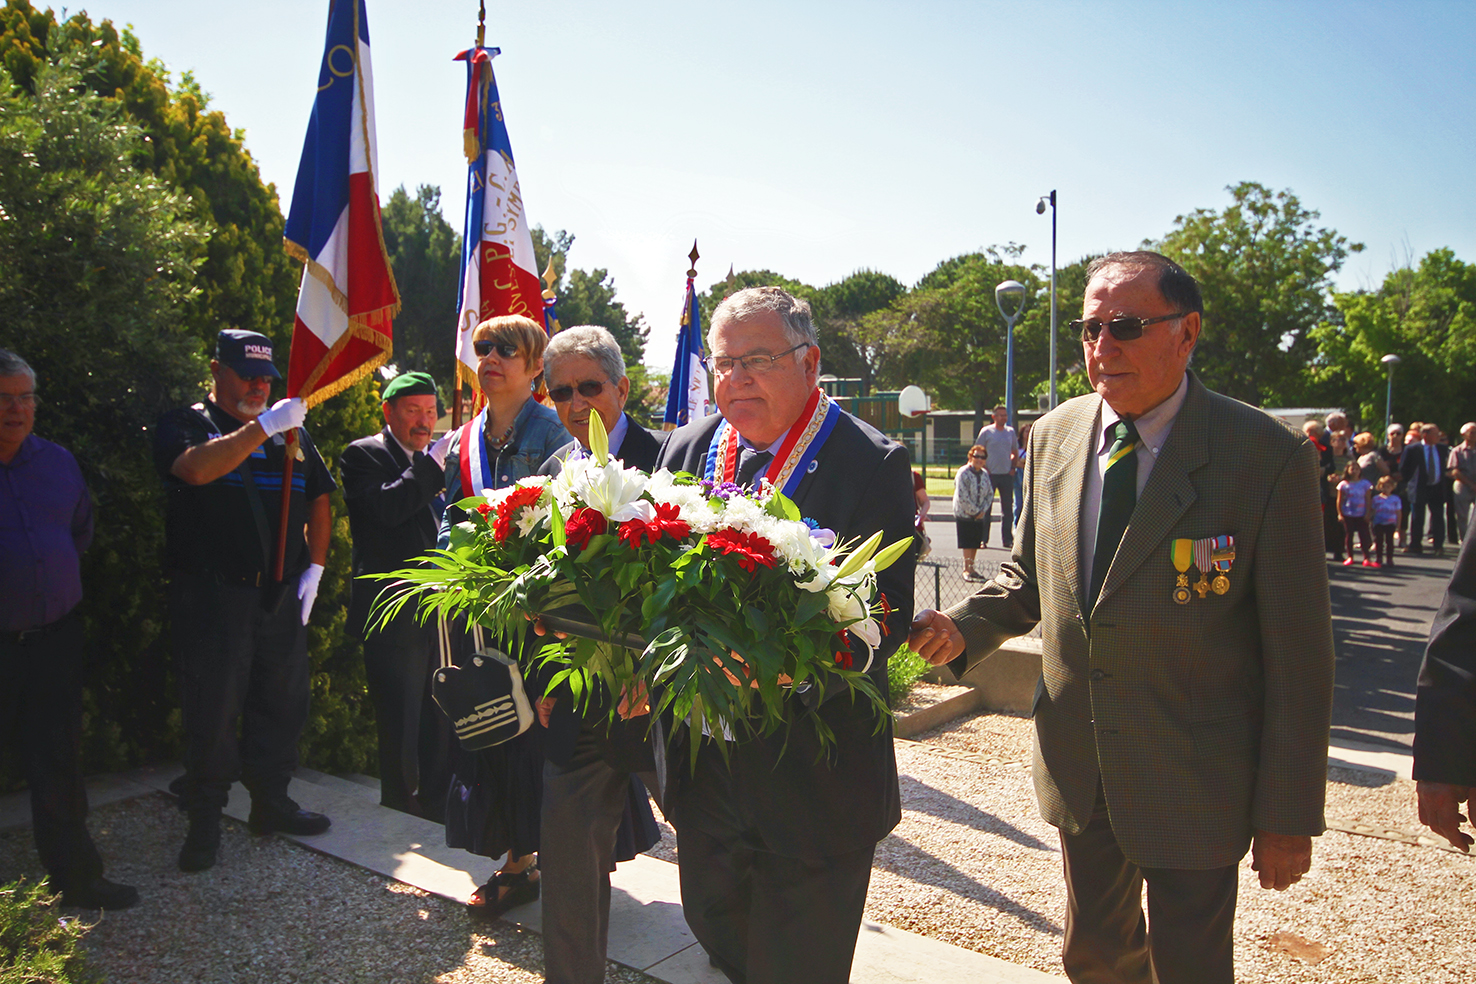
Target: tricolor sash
column 793, row 458
column 475, row 468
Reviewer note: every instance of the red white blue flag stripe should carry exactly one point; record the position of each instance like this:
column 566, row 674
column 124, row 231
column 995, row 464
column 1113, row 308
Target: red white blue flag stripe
column 348, row 297
column 687, row 396
column 497, row 265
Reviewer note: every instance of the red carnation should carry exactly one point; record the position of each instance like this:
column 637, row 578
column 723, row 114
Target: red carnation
column 750, row 549
column 583, row 524
column 668, row 519
column 485, row 510
column 523, row 495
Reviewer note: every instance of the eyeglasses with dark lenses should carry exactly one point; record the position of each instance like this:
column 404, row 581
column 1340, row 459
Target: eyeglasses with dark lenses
column 589, row 389
column 1122, row 329
column 484, row 348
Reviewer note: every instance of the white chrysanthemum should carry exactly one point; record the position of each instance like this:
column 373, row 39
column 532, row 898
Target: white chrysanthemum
column 692, row 506
column 531, row 516
column 793, row 542
column 744, row 514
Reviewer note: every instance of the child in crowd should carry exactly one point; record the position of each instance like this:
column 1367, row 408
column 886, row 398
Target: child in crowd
column 1388, row 516
column 1355, row 496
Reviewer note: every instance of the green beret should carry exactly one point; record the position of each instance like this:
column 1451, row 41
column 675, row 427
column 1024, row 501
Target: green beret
column 410, row 384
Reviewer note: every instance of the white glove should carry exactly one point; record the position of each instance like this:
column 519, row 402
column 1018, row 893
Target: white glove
column 307, row 589
column 284, row 415
column 438, row 450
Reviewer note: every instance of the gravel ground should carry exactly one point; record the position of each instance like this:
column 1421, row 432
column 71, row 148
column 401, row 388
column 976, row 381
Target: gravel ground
column 971, row 864
column 275, row 913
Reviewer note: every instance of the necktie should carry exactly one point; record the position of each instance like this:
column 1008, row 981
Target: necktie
column 1432, row 474
column 1119, row 497
column 750, row 464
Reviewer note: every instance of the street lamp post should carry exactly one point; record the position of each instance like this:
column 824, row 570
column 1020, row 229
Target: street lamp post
column 1009, row 293
column 1390, row 361
column 1040, row 208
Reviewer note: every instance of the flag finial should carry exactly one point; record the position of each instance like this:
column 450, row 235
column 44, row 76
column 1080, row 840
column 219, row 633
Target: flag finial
column 481, row 23
column 693, row 256
column 549, row 277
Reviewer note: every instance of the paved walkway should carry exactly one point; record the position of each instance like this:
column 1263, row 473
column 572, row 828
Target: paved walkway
column 647, row 930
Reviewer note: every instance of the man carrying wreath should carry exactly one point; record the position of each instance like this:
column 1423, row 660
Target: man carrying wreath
column 776, row 833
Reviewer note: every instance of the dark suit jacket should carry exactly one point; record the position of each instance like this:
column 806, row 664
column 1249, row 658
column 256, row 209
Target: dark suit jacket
column 806, row 806
column 390, row 515
column 1445, row 702
column 626, row 747
column 1413, row 466
column 1202, row 721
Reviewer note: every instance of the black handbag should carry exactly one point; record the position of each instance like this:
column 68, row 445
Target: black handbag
column 484, row 699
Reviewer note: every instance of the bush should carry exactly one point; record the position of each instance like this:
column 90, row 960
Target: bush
column 903, row 670
column 35, row 943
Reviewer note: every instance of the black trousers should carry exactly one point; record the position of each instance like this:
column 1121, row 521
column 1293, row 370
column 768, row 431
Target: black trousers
column 763, row 917
column 1427, row 498
column 414, row 742
column 584, row 801
column 1004, row 491
column 1186, row 937
column 41, row 711
column 238, row 666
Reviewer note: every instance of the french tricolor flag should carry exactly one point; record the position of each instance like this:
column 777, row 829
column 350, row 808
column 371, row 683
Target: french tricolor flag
column 497, row 264
column 348, row 295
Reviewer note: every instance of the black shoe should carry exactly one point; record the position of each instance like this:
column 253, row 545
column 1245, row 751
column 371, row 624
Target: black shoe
column 101, row 894
column 202, row 843
column 285, row 817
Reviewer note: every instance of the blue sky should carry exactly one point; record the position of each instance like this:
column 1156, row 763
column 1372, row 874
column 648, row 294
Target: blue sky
column 817, row 138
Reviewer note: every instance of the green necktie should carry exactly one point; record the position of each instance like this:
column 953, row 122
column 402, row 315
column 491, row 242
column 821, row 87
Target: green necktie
column 1119, row 497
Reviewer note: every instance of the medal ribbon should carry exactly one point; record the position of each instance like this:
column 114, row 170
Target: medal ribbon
column 793, row 457
column 1224, row 552
column 1202, row 552
column 1182, row 552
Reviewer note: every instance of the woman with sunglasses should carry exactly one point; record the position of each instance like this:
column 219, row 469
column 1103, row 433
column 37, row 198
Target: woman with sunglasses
column 493, row 805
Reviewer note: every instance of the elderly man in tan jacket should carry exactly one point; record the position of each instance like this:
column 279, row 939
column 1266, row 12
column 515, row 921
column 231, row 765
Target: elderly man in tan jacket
column 1171, row 549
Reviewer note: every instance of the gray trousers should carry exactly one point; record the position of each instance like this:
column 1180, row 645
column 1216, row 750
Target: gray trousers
column 583, row 802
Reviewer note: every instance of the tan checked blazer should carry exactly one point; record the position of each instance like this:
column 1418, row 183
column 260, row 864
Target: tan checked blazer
column 1207, row 720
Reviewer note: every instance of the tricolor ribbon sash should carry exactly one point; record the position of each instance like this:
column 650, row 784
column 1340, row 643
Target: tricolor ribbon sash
column 475, row 467
column 794, row 456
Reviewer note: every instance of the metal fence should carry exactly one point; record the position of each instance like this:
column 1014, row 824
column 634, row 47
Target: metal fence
column 940, row 584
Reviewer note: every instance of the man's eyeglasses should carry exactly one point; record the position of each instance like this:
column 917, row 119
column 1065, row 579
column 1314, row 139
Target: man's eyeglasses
column 1122, row 329
column 589, row 389
column 756, row 364
column 484, row 348
column 27, row 400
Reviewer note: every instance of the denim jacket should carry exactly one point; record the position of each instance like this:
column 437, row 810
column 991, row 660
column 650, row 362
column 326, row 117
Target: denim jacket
column 536, row 435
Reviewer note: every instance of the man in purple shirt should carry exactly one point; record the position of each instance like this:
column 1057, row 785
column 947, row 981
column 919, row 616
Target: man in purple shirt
column 45, row 524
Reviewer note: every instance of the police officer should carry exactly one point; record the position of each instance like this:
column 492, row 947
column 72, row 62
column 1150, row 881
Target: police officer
column 391, row 481
column 239, row 637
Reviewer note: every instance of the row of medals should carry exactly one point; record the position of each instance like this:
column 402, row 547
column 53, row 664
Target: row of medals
column 1210, row 554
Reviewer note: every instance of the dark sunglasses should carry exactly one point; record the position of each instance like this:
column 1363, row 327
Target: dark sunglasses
column 484, row 348
column 589, row 389
column 1122, row 329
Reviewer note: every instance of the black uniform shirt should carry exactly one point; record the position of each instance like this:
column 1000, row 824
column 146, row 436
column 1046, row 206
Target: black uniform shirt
column 210, row 529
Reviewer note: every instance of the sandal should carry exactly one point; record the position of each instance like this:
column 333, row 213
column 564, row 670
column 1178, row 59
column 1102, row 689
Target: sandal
column 491, row 902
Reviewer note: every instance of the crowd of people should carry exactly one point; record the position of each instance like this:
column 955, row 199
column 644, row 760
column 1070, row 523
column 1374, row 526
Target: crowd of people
column 1384, row 494
column 1181, row 723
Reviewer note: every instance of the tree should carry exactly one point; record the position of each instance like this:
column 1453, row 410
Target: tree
column 588, row 297
column 846, row 302
column 948, row 336
column 243, row 279
column 1427, row 316
column 425, row 253
column 98, row 269
column 1265, row 269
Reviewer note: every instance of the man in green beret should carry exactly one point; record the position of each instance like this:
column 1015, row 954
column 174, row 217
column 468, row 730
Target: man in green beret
column 391, row 482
